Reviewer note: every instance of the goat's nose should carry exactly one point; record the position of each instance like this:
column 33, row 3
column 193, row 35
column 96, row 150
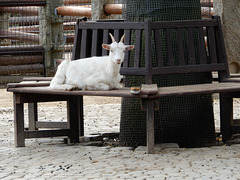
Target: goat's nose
column 118, row 61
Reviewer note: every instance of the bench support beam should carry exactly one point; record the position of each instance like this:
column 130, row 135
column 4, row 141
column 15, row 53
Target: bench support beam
column 150, row 126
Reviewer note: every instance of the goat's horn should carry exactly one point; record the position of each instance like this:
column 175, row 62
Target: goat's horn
column 113, row 40
column 122, row 38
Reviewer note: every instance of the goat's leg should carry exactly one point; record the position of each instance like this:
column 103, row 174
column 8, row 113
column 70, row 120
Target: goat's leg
column 97, row 87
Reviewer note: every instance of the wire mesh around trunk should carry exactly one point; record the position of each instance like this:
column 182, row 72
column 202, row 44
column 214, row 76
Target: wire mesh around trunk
column 186, row 120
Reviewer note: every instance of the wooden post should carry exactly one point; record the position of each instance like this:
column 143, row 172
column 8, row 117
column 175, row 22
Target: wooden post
column 229, row 14
column 150, row 126
column 4, row 25
column 51, row 34
column 19, row 133
column 73, row 119
column 98, row 9
column 226, row 115
column 32, row 115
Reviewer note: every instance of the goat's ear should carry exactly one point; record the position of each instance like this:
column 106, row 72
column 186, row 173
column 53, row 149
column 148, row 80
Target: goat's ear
column 106, row 46
column 129, row 47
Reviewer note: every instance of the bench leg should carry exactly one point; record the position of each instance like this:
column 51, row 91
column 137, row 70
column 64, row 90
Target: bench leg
column 150, row 126
column 19, row 133
column 226, row 116
column 32, row 115
column 81, row 117
column 73, row 119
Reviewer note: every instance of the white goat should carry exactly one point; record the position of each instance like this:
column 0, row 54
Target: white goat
column 94, row 73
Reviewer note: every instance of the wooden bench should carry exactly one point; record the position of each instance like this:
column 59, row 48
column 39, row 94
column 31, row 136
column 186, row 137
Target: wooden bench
column 178, row 37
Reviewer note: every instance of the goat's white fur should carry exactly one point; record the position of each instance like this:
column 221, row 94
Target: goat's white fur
column 94, row 73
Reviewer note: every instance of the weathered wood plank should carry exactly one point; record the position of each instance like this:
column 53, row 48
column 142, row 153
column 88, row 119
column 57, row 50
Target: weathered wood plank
column 224, row 87
column 51, row 124
column 191, row 50
column 170, row 58
column 127, row 41
column 138, row 43
column 73, row 119
column 202, row 46
column 19, row 135
column 44, row 94
column 32, row 115
column 46, row 133
column 212, row 44
column 180, row 47
column 150, row 126
column 149, row 89
column 94, row 42
column 84, row 40
column 105, row 41
column 158, row 47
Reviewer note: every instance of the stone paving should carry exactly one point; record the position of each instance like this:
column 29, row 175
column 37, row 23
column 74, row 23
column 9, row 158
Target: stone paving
column 50, row 158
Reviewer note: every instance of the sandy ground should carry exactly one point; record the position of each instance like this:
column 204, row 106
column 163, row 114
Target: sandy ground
column 50, row 158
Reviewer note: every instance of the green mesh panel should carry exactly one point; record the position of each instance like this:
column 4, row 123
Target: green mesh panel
column 186, row 120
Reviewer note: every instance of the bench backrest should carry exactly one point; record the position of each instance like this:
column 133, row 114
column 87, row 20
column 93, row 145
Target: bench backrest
column 174, row 47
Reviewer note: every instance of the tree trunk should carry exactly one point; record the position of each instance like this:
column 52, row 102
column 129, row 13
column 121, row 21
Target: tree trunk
column 186, row 120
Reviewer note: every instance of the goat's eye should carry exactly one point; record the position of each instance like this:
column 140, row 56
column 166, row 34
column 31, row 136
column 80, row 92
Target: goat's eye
column 124, row 51
column 111, row 50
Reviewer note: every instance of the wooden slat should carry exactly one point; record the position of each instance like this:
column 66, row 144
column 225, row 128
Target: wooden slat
column 46, row 133
column 128, row 42
column 180, row 47
column 191, row 50
column 158, row 47
column 43, row 94
column 105, row 41
column 52, row 124
column 77, row 42
column 116, row 35
column 202, row 46
column 37, row 84
column 222, row 56
column 188, row 69
column 37, row 78
column 211, row 44
column 183, row 24
column 148, row 53
column 30, row 97
column 170, row 58
column 138, row 43
column 94, row 42
column 133, row 71
column 84, row 40
column 113, row 25
column 197, row 89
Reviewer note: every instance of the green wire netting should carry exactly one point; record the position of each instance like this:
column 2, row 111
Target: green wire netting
column 186, row 120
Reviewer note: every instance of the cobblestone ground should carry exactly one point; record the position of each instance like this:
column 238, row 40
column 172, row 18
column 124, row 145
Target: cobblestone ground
column 50, row 158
